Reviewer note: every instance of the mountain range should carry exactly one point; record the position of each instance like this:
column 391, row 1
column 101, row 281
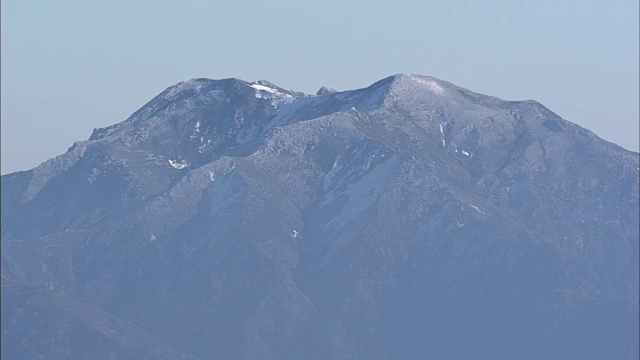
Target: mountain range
column 412, row 219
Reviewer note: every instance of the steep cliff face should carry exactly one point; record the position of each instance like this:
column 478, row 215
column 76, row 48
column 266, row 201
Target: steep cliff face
column 409, row 219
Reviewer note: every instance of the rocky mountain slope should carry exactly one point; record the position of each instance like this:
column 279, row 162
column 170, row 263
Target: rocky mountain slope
column 410, row 219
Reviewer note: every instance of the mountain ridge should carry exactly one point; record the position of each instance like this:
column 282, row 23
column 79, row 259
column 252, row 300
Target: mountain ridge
column 239, row 219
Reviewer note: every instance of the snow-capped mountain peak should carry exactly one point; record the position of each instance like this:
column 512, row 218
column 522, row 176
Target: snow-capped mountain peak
column 412, row 218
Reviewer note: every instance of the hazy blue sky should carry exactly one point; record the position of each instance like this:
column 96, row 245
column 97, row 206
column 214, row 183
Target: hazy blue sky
column 71, row 66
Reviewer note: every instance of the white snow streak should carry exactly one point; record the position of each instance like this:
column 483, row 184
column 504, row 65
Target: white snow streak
column 478, row 209
column 178, row 164
column 271, row 93
column 264, row 88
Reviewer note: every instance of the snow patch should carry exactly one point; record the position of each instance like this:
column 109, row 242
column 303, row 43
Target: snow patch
column 477, row 209
column 264, row 88
column 178, row 164
column 431, row 85
column 265, row 92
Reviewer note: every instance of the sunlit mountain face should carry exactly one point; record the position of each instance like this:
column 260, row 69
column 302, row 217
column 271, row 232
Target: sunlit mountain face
column 412, row 219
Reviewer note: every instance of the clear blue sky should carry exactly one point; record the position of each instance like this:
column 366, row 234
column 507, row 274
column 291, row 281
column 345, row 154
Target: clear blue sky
column 71, row 66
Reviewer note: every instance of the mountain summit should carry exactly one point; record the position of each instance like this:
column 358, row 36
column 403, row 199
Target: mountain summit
column 410, row 219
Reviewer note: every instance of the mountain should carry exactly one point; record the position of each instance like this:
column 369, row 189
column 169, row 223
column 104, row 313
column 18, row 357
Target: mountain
column 410, row 219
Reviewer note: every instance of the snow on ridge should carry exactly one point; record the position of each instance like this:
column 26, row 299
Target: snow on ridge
column 193, row 84
column 264, row 88
column 431, row 85
column 265, row 92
